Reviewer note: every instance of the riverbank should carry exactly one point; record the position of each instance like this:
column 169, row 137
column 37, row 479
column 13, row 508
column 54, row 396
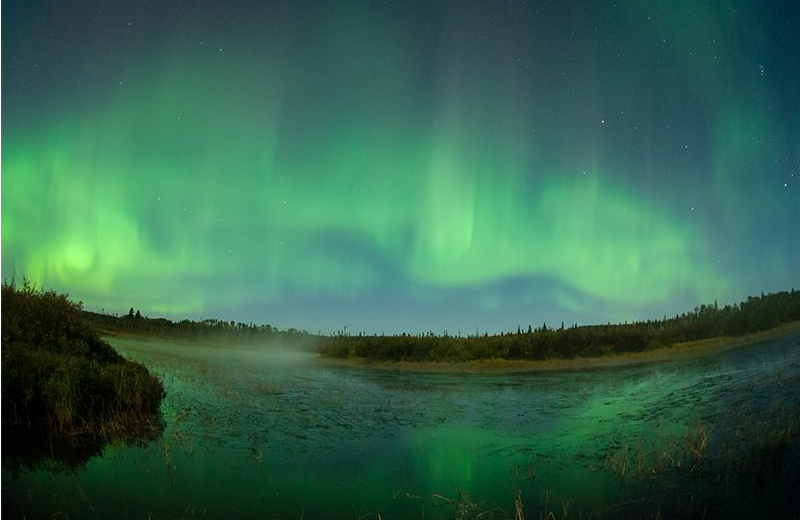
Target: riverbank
column 677, row 352
column 66, row 392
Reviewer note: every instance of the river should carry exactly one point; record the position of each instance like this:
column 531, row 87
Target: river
column 260, row 432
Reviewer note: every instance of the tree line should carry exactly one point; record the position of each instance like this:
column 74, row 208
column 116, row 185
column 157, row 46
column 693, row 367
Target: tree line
column 135, row 322
column 706, row 321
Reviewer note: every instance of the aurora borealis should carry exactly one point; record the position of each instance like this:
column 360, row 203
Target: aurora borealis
column 402, row 166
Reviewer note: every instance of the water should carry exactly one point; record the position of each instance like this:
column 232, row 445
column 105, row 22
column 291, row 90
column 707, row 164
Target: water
column 263, row 433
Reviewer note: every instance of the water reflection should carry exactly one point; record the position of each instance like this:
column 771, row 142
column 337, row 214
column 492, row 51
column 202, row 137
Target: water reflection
column 263, row 432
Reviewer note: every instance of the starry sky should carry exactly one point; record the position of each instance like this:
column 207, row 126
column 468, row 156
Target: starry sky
column 402, row 166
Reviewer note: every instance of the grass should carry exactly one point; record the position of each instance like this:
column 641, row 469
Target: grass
column 696, row 442
column 701, row 469
column 464, row 508
column 65, row 392
column 637, row 462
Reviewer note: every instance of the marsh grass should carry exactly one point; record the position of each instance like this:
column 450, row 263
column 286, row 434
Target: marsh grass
column 762, row 455
column 549, row 514
column 638, row 461
column 519, row 510
column 66, row 392
column 465, row 508
column 697, row 472
column 696, row 442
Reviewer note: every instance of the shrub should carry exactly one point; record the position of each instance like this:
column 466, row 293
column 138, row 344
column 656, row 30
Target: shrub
column 62, row 384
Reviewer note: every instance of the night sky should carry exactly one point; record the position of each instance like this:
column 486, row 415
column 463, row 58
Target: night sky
column 402, row 166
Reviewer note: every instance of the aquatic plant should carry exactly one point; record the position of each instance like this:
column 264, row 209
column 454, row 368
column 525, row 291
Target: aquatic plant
column 696, row 442
column 463, row 507
column 686, row 475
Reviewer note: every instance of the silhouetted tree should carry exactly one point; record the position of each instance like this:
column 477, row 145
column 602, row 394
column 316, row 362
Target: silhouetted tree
column 703, row 322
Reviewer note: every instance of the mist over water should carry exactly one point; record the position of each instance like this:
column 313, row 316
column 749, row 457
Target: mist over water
column 265, row 431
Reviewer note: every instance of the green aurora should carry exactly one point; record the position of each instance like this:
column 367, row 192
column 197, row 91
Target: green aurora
column 402, row 167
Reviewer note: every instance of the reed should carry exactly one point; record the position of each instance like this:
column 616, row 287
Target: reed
column 464, row 508
column 519, row 512
column 696, row 442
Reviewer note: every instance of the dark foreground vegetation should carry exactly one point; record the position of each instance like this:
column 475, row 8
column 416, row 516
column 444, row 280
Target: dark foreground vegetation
column 65, row 392
column 707, row 321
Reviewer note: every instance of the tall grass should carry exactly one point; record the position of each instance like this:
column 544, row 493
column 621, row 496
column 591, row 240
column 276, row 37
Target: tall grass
column 62, row 386
column 697, row 473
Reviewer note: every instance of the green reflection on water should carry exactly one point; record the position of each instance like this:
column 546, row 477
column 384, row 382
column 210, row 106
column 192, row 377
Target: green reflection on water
column 251, row 434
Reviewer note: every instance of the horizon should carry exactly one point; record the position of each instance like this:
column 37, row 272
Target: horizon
column 478, row 331
column 403, row 167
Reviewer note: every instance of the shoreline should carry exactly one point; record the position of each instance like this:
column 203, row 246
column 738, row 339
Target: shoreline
column 676, row 352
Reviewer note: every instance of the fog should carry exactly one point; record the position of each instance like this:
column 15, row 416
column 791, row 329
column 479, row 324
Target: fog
column 271, row 353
